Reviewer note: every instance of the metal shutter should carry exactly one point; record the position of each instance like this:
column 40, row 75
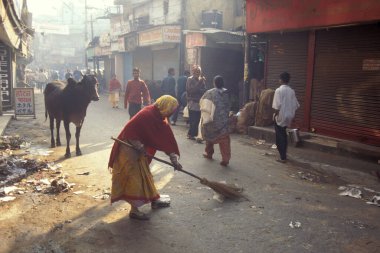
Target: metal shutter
column 288, row 52
column 346, row 97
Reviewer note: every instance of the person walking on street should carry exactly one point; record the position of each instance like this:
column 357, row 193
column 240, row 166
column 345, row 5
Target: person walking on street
column 136, row 94
column 215, row 108
column 168, row 84
column 68, row 74
column 148, row 131
column 285, row 105
column 114, row 91
column 77, row 74
column 195, row 87
column 42, row 79
column 180, row 90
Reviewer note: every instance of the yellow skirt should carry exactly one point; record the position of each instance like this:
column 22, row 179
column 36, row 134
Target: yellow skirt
column 132, row 180
column 113, row 97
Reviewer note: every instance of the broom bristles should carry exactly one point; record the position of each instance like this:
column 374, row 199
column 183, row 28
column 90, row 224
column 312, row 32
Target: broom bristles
column 228, row 191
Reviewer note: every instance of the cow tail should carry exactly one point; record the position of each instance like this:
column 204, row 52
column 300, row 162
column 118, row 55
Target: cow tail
column 46, row 114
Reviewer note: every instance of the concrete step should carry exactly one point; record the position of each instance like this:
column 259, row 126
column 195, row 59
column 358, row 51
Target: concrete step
column 323, row 144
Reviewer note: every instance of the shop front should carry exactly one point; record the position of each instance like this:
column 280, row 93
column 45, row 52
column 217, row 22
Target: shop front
column 158, row 50
column 331, row 50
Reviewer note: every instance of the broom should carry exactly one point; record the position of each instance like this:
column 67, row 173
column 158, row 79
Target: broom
column 228, row 191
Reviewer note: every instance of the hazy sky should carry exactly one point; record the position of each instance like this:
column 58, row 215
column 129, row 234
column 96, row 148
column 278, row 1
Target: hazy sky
column 44, row 7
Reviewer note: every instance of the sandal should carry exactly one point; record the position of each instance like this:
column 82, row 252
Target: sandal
column 207, row 156
column 138, row 216
column 224, row 164
column 159, row 204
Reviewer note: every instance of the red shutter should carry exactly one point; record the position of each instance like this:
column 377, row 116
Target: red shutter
column 346, row 85
column 288, row 52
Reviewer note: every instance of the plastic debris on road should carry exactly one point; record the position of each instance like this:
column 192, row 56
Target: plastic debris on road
column 260, row 142
column 7, row 198
column 84, row 173
column 352, row 192
column 374, row 201
column 295, row 224
column 274, row 146
column 218, row 197
column 11, row 142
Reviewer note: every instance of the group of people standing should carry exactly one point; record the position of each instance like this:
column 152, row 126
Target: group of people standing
column 149, row 130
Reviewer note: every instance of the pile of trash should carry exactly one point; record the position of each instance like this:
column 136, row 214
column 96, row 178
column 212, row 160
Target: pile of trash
column 14, row 168
column 11, row 142
column 371, row 197
column 52, row 182
column 15, row 171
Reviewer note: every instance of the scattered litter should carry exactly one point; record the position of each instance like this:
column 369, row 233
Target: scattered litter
column 11, row 142
column 267, row 153
column 342, row 188
column 217, row 209
column 274, row 146
column 7, row 198
column 78, row 192
column 260, row 142
column 218, row 197
column 374, row 201
column 352, row 192
column 13, row 169
column 9, row 189
column 203, row 187
column 40, row 151
column 84, row 173
column 54, row 166
column 60, row 185
column 102, row 196
column 45, row 181
column 295, row 224
column 357, row 224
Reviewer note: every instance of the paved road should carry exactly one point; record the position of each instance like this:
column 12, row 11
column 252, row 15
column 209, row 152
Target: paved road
column 301, row 191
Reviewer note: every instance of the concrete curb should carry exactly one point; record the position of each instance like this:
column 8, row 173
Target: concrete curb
column 4, row 121
column 323, row 144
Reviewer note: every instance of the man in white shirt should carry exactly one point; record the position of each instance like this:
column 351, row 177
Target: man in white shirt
column 285, row 105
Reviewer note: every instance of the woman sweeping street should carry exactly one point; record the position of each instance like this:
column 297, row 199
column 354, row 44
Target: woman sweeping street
column 148, row 131
column 215, row 108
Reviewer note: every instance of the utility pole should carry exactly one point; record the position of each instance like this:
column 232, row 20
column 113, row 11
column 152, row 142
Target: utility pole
column 85, row 34
column 92, row 38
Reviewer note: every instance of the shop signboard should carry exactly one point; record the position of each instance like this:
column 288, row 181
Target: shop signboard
column 171, row 34
column 159, row 35
column 150, row 37
column 274, row 15
column 24, row 102
column 195, row 40
column 131, row 42
column 5, row 76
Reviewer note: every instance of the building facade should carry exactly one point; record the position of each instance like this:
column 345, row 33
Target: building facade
column 332, row 51
column 15, row 37
column 156, row 35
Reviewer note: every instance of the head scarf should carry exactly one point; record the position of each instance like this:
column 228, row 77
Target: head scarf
column 166, row 104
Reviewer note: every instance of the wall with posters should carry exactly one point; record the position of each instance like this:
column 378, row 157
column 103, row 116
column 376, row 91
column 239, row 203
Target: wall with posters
column 6, row 75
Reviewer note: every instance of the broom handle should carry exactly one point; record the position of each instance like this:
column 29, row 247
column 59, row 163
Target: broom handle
column 156, row 158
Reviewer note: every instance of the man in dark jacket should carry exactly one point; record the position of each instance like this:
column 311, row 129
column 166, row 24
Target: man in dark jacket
column 181, row 89
column 168, row 84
